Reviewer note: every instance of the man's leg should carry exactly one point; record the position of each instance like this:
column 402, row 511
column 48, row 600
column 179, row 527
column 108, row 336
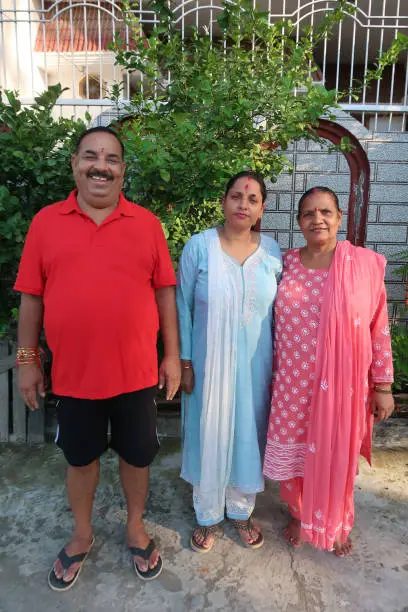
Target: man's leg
column 135, row 483
column 82, row 435
column 134, row 438
column 81, row 486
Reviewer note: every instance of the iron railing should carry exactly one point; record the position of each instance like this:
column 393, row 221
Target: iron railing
column 44, row 42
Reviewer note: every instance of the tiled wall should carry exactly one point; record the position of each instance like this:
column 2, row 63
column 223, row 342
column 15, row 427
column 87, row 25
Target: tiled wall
column 387, row 230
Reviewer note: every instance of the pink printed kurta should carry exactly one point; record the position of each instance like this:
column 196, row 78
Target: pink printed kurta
column 297, row 316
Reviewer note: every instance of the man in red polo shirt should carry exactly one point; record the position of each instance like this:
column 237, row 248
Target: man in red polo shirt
column 97, row 274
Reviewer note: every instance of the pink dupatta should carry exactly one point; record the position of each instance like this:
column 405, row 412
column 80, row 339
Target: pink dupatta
column 341, row 422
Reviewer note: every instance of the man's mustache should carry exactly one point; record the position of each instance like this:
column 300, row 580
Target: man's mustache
column 105, row 175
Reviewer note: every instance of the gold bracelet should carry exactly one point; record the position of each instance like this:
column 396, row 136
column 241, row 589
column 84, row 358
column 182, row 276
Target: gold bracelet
column 27, row 355
column 384, row 390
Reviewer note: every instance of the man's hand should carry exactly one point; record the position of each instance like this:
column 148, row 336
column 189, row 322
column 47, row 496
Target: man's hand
column 383, row 405
column 187, row 378
column 30, row 382
column 170, row 375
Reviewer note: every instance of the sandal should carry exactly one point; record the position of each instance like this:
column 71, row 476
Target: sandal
column 294, row 541
column 59, row 584
column 247, row 526
column 205, row 531
column 344, row 549
column 152, row 572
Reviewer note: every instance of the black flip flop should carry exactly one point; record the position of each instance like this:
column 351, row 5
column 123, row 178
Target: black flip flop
column 59, row 584
column 145, row 553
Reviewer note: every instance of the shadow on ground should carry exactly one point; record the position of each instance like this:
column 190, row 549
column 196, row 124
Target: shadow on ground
column 35, row 522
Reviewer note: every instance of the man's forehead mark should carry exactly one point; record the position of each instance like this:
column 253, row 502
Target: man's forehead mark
column 101, row 150
column 316, row 209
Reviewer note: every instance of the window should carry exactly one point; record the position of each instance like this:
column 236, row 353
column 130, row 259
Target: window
column 91, row 87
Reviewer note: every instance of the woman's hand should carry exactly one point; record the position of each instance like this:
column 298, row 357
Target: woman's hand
column 383, row 405
column 187, row 377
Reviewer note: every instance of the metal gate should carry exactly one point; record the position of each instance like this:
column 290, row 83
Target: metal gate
column 44, row 42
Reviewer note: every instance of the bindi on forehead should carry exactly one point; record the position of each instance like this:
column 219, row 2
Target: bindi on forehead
column 101, row 150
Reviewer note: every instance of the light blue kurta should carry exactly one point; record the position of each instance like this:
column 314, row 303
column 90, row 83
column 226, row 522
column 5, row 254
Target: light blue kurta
column 258, row 276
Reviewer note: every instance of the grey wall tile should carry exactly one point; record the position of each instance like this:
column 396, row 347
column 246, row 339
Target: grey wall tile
column 270, row 201
column 387, row 151
column 315, row 162
column 392, row 172
column 343, row 165
column 391, row 136
column 285, row 201
column 389, row 193
column 298, row 240
column 372, row 213
column 316, row 146
column 390, row 251
column 386, row 233
column 276, row 221
column 395, row 291
column 284, row 183
column 300, row 182
column 390, row 272
column 301, row 145
column 394, row 213
column 338, row 182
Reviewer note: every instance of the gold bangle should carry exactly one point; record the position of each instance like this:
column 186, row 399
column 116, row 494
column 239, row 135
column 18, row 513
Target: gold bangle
column 384, row 390
column 28, row 355
column 27, row 352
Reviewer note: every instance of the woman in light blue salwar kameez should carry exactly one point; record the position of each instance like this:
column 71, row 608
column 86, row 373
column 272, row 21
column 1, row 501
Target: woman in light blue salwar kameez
column 227, row 282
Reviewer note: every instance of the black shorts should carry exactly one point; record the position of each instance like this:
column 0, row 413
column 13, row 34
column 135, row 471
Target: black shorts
column 83, row 427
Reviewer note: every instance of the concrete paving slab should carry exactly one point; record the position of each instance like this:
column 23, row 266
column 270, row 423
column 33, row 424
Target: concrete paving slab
column 35, row 522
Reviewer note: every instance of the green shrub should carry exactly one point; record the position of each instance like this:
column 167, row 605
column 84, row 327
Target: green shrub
column 35, row 152
column 399, row 339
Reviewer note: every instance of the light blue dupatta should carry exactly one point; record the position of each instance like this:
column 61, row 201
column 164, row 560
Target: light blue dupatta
column 218, row 410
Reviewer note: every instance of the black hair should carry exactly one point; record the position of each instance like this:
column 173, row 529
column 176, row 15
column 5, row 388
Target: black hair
column 250, row 174
column 318, row 189
column 94, row 130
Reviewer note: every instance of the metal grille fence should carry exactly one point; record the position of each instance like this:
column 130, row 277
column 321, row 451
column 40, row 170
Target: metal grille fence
column 44, row 42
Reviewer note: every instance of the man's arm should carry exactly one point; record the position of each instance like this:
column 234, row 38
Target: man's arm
column 169, row 372
column 30, row 322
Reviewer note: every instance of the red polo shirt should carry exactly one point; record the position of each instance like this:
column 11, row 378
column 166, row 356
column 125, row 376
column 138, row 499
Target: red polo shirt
column 98, row 285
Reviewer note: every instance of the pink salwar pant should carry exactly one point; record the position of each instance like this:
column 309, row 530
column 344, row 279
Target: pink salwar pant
column 291, row 492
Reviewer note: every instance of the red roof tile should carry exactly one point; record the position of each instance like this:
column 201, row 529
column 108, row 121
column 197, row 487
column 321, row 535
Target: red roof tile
column 78, row 29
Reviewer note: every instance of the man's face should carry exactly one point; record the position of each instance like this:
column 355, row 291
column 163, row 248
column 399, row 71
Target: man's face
column 99, row 169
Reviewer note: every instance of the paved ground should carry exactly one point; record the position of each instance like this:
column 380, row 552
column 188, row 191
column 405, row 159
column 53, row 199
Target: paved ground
column 35, row 522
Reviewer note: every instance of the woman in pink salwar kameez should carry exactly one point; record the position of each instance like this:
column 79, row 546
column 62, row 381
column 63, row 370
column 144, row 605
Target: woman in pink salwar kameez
column 333, row 373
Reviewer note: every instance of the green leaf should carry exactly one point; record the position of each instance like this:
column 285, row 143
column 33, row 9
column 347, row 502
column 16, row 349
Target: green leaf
column 165, row 175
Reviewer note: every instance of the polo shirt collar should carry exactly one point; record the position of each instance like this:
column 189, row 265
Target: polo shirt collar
column 124, row 208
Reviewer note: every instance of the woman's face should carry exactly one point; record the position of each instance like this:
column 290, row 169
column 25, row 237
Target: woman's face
column 243, row 203
column 319, row 219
